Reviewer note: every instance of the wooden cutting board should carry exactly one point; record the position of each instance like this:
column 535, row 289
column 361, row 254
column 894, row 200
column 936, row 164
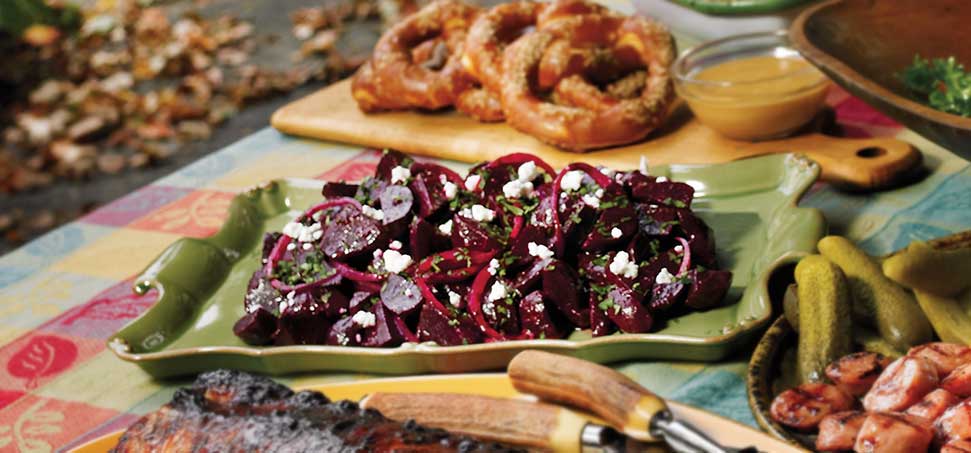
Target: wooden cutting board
column 332, row 114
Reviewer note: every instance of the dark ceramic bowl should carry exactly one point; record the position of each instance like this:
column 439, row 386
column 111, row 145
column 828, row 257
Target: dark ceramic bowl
column 863, row 44
column 770, row 371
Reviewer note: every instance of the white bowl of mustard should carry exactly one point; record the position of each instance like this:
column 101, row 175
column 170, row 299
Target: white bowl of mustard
column 753, row 86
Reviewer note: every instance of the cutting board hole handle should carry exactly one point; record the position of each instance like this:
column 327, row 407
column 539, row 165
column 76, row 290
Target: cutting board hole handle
column 871, row 152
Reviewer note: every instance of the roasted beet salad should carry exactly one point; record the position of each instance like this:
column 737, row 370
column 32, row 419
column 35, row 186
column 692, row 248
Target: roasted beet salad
column 513, row 251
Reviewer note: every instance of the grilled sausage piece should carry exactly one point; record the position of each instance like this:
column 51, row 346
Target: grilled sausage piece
column 893, row 433
column 958, row 446
column 933, row 405
column 839, row 431
column 959, row 381
column 901, row 385
column 856, row 373
column 945, row 356
column 805, row 406
column 955, row 424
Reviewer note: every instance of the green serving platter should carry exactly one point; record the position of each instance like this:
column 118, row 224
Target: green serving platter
column 750, row 204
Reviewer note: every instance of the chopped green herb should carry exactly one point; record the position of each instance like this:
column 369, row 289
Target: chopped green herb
column 941, row 83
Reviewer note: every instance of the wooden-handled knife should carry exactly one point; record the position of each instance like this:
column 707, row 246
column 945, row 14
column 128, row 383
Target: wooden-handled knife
column 620, row 401
column 529, row 424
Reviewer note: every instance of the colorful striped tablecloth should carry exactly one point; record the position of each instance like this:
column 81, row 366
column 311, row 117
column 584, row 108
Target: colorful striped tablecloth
column 64, row 293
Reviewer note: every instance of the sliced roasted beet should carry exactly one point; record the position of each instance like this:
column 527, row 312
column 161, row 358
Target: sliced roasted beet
column 345, row 332
column 593, row 266
column 574, row 215
column 529, row 278
column 667, row 295
column 396, row 202
column 370, row 190
column 302, row 321
column 269, row 241
column 400, row 295
column 473, row 235
column 429, row 193
column 519, row 248
column 256, row 328
column 536, row 321
column 600, row 323
column 675, row 194
column 361, row 300
column 699, row 237
column 385, row 332
column 648, row 272
column 351, row 233
column 626, row 311
column 562, row 286
column 635, row 181
column 425, row 239
column 624, row 219
column 452, row 266
column 338, row 189
column 501, row 314
column 388, row 161
column 656, row 220
column 436, row 323
column 260, row 294
column 708, row 288
column 333, row 301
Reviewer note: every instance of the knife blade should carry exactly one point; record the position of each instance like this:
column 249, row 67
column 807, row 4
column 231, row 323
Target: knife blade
column 621, row 402
column 529, row 424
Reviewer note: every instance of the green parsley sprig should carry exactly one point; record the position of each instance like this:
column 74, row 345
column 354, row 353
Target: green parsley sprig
column 943, row 82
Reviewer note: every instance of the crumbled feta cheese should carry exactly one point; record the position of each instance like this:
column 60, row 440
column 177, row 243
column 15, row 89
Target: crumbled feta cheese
column 616, row 233
column 497, row 292
column 482, row 214
column 661, row 179
column 377, row 253
column 540, row 307
column 628, row 311
column 395, row 261
column 364, row 319
column 517, row 188
column 307, row 246
column 309, row 233
column 527, row 171
column 293, row 229
column 623, row 266
column 472, row 182
column 540, row 251
column 375, row 214
column 664, row 277
column 454, row 298
column 591, row 200
column 572, row 180
column 446, row 228
column 679, row 248
column 400, row 174
column 291, row 246
column 489, row 308
column 395, row 245
column 609, row 172
column 643, row 164
column 493, row 267
column 451, row 190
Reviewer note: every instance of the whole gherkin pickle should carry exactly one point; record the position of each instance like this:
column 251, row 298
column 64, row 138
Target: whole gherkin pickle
column 825, row 324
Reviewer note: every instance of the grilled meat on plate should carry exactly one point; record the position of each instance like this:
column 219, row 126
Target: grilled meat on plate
column 231, row 411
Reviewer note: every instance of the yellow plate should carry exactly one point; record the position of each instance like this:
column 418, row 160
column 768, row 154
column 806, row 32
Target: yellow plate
column 722, row 429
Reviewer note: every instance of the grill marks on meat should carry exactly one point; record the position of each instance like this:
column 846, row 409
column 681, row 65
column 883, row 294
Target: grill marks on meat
column 232, row 411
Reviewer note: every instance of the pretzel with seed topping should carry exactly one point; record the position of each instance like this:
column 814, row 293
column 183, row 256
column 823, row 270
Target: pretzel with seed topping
column 581, row 54
column 393, row 79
